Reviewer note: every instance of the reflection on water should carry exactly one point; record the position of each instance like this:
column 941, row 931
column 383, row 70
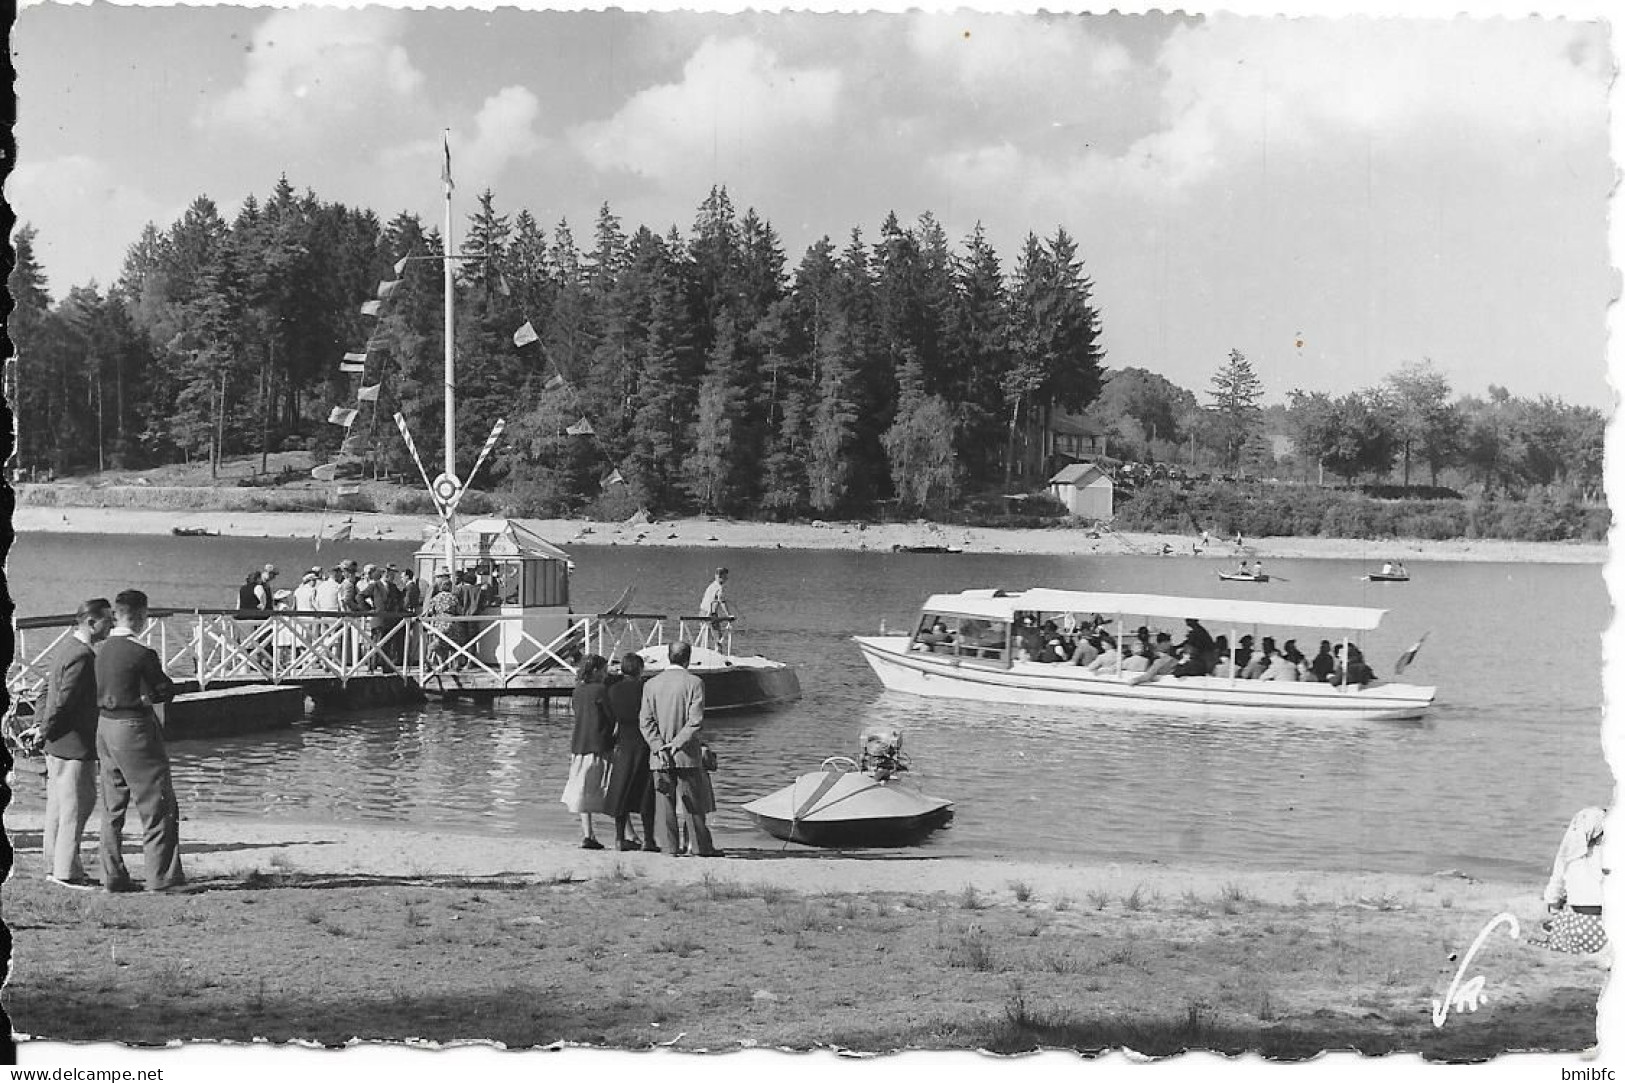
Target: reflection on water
column 1485, row 784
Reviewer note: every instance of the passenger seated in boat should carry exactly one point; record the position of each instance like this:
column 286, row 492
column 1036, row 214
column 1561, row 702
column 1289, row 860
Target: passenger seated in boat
column 1300, row 664
column 1243, row 653
column 1200, row 641
column 1260, row 661
column 937, row 640
column 1280, row 668
column 1323, row 664
column 1258, row 569
column 1135, row 659
column 1029, row 642
column 1106, row 660
column 1191, row 663
column 1164, row 663
column 1388, row 567
column 1087, row 650
column 1355, row 671
column 1054, row 648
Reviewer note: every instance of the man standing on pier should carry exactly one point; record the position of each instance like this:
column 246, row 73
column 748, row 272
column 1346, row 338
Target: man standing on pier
column 67, row 728
column 673, row 709
column 134, row 764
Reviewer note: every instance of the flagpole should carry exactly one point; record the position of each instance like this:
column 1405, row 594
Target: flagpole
column 451, row 375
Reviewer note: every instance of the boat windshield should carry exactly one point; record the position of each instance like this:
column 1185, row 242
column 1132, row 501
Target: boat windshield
column 963, row 637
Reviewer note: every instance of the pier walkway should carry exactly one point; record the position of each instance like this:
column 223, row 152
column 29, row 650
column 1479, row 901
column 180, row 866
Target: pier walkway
column 357, row 657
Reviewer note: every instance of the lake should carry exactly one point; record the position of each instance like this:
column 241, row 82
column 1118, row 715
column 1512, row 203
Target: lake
column 1485, row 784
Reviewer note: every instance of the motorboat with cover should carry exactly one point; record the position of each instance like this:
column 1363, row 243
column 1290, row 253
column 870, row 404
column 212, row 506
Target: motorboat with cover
column 854, row 803
column 974, row 655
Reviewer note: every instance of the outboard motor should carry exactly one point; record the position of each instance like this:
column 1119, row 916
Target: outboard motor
column 882, row 751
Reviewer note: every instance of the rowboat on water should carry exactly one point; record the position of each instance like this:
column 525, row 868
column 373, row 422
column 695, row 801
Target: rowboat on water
column 193, row 532
column 926, row 549
column 975, row 657
column 1243, row 577
column 1392, row 572
column 850, row 802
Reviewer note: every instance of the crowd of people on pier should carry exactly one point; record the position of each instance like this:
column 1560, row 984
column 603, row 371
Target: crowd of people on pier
column 385, row 593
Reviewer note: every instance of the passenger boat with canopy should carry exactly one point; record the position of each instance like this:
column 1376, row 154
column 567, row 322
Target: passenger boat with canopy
column 975, row 657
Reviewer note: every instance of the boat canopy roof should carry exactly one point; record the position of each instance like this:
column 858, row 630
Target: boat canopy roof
column 494, row 538
column 1002, row 605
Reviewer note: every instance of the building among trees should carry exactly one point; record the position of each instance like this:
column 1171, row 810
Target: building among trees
column 1085, row 489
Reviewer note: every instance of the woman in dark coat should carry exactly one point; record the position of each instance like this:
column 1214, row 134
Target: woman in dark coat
column 631, row 786
column 591, row 746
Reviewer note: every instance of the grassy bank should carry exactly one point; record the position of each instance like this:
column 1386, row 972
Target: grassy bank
column 767, row 948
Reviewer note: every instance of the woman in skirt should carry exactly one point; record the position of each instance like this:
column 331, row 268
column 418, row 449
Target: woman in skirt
column 591, row 746
column 631, row 785
column 1574, row 892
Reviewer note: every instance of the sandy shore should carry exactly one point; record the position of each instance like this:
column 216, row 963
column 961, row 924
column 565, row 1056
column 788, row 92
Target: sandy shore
column 227, row 847
column 817, row 535
column 332, row 933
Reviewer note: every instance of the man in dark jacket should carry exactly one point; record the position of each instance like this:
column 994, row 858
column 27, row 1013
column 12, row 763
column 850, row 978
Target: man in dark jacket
column 67, row 728
column 134, row 764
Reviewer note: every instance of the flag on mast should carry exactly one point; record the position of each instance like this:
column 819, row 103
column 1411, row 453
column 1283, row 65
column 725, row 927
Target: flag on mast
column 370, row 308
column 357, row 358
column 368, row 393
column 581, row 428
column 342, row 416
column 1409, row 656
column 387, row 288
column 400, row 265
column 614, row 478
column 353, row 366
column 525, row 335
column 445, row 169
column 343, row 532
column 554, row 382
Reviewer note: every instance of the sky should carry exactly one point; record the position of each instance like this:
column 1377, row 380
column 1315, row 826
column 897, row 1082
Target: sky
column 1332, row 197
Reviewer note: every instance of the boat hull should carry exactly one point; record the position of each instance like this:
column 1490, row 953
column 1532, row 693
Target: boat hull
column 734, row 682
column 1378, row 577
column 1059, row 685
column 1232, row 577
column 849, row 809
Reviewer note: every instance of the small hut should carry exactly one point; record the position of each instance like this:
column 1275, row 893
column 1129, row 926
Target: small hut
column 520, row 575
column 1085, row 489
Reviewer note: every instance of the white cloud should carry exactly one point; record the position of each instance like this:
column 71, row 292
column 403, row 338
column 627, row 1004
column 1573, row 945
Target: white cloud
column 504, row 131
column 77, row 204
column 999, row 52
column 310, row 65
column 1236, row 88
column 735, row 103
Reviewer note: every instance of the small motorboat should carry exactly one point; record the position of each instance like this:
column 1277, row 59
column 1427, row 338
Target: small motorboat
column 193, row 532
column 1391, row 573
column 926, row 549
column 852, row 803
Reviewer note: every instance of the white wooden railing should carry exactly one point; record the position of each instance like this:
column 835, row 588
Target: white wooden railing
column 224, row 646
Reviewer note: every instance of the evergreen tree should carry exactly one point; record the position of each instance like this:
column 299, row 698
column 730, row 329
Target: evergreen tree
column 919, row 444
column 834, row 430
column 1235, row 390
column 720, row 474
